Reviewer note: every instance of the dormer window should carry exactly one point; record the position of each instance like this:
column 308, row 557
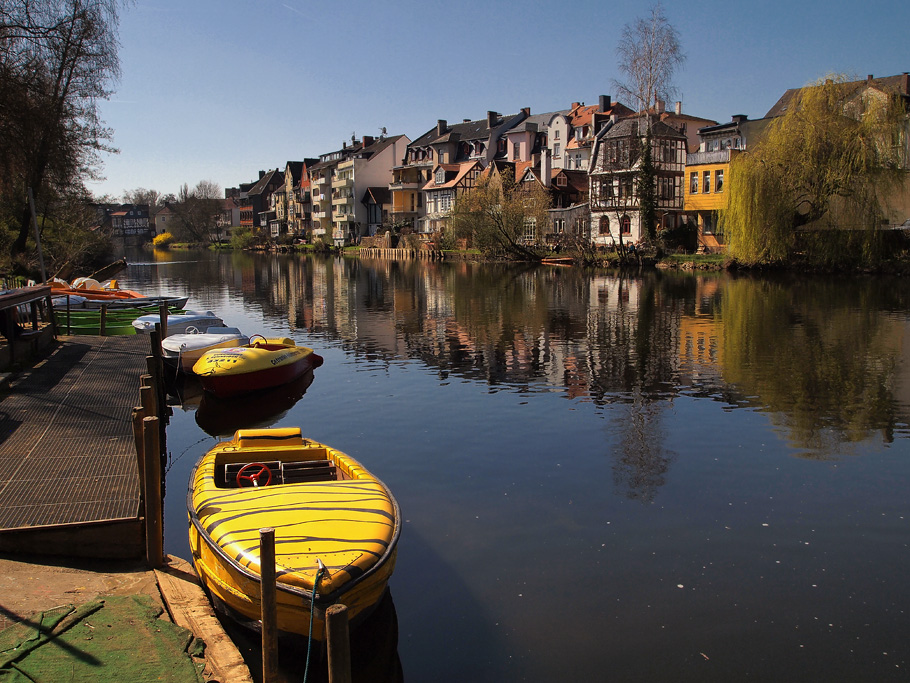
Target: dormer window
column 440, row 176
column 560, row 180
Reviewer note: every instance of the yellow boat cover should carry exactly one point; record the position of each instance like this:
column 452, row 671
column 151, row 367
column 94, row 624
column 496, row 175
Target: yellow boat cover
column 348, row 524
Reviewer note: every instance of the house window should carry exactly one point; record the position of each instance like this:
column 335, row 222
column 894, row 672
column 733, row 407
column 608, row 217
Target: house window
column 556, row 151
column 718, row 181
column 604, row 228
column 559, row 225
column 440, row 176
column 625, row 187
column 693, row 183
column 516, row 150
column 531, row 230
column 560, row 180
column 625, row 225
column 706, row 182
column 556, row 134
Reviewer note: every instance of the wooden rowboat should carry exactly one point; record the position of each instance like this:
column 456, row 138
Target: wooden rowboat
column 326, row 510
column 261, row 364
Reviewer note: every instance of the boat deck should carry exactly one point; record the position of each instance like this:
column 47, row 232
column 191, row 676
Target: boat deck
column 68, row 466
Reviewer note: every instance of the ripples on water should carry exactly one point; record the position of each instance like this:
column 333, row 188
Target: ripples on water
column 659, row 477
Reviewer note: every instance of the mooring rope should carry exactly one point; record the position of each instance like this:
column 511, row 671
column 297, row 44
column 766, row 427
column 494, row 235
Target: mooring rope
column 320, row 568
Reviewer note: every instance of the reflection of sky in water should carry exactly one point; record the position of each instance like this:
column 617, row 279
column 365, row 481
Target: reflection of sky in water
column 600, row 503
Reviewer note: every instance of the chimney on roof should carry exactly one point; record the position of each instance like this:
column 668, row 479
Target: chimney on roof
column 605, row 102
column 576, row 105
column 739, row 118
column 344, row 144
column 441, row 126
column 491, row 119
column 869, row 78
column 659, row 106
column 526, row 111
column 678, row 108
column 545, row 167
column 906, row 83
column 261, row 174
column 367, row 140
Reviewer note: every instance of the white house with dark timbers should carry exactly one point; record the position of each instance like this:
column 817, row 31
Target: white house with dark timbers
column 613, row 179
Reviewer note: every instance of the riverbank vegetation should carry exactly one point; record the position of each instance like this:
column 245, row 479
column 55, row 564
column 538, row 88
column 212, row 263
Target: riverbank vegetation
column 502, row 217
column 58, row 60
column 816, row 187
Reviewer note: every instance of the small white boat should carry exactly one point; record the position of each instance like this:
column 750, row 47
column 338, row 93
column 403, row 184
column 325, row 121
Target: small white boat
column 178, row 323
column 77, row 301
column 184, row 349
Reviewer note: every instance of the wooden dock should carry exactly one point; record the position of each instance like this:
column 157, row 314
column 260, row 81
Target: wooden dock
column 69, row 474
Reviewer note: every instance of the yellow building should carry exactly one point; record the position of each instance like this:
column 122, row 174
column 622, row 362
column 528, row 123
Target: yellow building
column 708, row 173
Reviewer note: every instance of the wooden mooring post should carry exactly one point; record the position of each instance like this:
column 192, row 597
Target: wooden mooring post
column 268, row 599
column 154, row 522
column 338, row 643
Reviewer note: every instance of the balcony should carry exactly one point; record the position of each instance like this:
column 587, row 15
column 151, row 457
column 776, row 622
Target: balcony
column 321, row 214
column 342, row 182
column 342, row 198
column 719, row 157
column 322, row 180
column 343, row 218
column 403, row 185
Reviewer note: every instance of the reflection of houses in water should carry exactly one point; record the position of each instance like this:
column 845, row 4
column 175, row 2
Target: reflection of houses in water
column 600, row 336
column 701, row 337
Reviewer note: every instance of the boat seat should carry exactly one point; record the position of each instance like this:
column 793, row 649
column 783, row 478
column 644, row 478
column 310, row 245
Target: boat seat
column 232, row 468
column 308, row 470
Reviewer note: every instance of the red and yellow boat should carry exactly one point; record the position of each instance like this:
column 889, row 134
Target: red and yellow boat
column 261, row 364
column 336, row 528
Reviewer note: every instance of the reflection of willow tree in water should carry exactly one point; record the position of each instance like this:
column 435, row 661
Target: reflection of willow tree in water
column 819, row 355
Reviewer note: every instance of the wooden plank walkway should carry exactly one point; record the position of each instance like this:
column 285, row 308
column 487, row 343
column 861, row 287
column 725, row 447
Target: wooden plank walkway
column 68, row 462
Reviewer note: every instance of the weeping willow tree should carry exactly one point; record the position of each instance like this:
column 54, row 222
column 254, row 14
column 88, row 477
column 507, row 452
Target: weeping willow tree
column 819, row 179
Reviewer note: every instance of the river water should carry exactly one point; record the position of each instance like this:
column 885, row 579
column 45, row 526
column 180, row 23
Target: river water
column 655, row 477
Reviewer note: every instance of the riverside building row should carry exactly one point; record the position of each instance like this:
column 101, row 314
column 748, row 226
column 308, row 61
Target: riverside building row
column 586, row 156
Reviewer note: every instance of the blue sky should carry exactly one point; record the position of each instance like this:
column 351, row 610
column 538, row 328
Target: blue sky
column 218, row 90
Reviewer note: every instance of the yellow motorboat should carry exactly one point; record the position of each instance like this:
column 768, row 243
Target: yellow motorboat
column 260, row 364
column 335, row 524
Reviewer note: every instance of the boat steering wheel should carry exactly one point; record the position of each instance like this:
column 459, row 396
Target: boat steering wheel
column 254, row 336
column 190, row 329
column 253, row 472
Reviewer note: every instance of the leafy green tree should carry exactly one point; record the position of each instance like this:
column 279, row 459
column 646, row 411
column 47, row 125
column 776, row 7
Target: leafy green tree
column 828, row 164
column 504, row 218
column 647, row 188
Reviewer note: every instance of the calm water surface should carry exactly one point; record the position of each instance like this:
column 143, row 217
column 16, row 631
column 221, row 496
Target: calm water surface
column 657, row 478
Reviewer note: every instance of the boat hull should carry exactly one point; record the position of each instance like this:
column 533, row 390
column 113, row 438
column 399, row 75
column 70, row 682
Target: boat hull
column 351, row 523
column 178, row 323
column 184, row 350
column 243, row 369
